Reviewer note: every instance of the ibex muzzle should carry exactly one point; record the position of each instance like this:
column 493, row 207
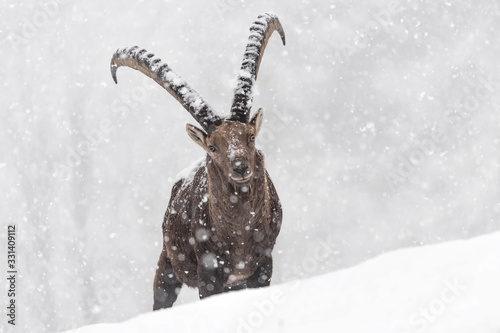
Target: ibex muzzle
column 241, row 171
column 222, row 221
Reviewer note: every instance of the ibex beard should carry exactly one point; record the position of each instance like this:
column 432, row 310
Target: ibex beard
column 222, row 221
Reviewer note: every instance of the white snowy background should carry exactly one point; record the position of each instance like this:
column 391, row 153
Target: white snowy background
column 382, row 132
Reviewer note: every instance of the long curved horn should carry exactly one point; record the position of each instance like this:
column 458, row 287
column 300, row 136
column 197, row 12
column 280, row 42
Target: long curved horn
column 261, row 30
column 145, row 62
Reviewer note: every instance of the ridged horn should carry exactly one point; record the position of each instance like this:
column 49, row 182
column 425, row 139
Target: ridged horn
column 145, row 62
column 260, row 31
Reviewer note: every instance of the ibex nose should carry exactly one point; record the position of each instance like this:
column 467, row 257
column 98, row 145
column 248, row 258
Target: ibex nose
column 240, row 166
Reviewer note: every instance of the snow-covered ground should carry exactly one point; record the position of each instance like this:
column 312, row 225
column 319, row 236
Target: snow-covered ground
column 447, row 288
column 356, row 105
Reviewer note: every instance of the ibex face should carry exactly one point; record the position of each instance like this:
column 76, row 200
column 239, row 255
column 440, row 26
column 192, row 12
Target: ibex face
column 231, row 147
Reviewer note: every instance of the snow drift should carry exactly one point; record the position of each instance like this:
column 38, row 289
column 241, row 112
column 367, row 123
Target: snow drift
column 449, row 287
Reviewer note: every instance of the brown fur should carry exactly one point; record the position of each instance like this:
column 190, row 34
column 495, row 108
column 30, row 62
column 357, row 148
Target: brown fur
column 218, row 233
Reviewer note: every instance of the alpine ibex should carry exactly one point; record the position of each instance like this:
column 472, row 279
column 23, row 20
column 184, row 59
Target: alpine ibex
column 222, row 221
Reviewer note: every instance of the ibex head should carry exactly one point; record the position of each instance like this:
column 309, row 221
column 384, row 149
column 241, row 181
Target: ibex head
column 231, row 147
column 230, row 143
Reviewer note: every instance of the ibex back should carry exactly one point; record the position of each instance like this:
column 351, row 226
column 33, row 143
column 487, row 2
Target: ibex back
column 223, row 219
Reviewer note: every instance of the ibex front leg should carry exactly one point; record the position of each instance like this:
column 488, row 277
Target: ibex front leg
column 263, row 273
column 166, row 284
column 209, row 280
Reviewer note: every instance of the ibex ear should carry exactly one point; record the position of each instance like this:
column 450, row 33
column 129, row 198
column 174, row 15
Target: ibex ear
column 197, row 135
column 256, row 121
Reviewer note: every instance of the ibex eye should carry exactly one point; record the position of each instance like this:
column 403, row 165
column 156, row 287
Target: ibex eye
column 212, row 148
column 252, row 138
